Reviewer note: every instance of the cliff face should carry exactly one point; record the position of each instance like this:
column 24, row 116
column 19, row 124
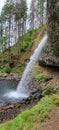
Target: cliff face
column 50, row 54
column 53, row 25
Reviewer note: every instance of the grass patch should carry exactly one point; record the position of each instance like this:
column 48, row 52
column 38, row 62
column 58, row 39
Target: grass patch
column 27, row 119
column 48, row 89
column 40, row 76
column 2, row 73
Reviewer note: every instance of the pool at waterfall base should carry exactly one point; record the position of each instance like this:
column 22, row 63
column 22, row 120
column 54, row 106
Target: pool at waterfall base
column 8, row 93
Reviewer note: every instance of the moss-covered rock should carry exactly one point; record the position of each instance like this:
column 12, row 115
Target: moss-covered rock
column 50, row 54
column 53, row 25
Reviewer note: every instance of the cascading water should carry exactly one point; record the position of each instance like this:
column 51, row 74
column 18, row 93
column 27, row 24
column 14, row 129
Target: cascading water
column 22, row 88
column 23, row 85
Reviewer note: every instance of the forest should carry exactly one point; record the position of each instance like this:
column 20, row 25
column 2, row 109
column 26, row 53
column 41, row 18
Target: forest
column 19, row 24
column 29, row 65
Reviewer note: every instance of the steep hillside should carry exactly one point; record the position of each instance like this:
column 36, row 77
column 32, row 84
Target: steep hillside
column 20, row 53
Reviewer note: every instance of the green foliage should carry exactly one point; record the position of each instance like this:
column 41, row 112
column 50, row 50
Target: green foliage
column 7, row 68
column 8, row 8
column 3, row 39
column 57, row 88
column 28, row 38
column 48, row 89
column 23, row 9
column 3, row 42
column 40, row 76
column 20, row 10
column 2, row 73
column 19, row 68
column 28, row 45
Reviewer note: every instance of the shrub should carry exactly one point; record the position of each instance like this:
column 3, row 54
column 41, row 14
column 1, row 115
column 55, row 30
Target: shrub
column 57, row 88
column 43, row 78
column 49, row 89
column 40, row 76
column 7, row 69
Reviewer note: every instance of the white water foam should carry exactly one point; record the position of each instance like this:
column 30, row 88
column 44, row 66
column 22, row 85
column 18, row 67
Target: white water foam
column 16, row 95
column 22, row 88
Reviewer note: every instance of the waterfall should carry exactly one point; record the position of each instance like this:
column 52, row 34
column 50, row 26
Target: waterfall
column 34, row 58
column 22, row 88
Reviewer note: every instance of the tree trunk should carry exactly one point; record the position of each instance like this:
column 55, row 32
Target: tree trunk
column 9, row 48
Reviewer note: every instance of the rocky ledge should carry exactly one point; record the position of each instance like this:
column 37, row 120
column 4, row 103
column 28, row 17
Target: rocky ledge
column 11, row 76
column 48, row 58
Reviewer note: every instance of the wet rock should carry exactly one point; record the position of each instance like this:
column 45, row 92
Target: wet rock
column 46, row 58
column 8, row 107
column 11, row 76
column 50, row 54
column 36, row 95
column 18, row 105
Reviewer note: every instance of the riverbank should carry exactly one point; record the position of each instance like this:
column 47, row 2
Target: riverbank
column 10, row 111
column 44, row 115
column 11, row 76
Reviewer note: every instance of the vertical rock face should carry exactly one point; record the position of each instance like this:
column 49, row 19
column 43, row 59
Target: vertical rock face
column 50, row 54
column 53, row 25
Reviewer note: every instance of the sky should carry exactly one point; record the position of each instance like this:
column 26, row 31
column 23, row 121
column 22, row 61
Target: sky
column 2, row 3
column 28, row 2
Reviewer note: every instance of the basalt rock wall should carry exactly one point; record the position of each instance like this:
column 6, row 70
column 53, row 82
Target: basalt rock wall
column 50, row 54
